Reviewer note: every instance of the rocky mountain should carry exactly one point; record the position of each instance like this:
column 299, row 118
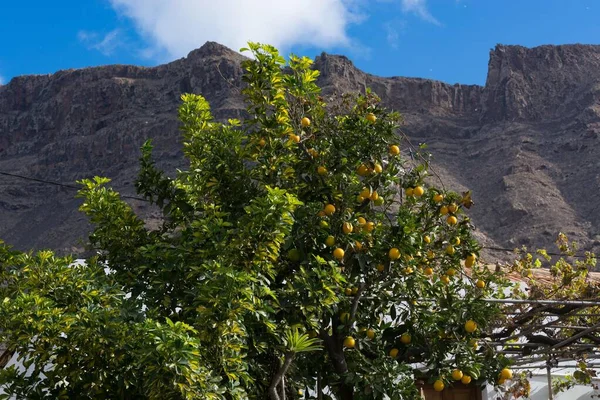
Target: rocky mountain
column 526, row 143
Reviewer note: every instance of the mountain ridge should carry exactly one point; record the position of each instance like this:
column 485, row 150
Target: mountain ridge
column 524, row 143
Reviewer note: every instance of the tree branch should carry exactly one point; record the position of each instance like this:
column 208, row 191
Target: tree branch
column 278, row 377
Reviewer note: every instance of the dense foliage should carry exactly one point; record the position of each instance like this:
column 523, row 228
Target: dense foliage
column 301, row 251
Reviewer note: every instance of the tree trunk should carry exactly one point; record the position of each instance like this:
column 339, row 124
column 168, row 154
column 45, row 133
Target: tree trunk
column 336, row 353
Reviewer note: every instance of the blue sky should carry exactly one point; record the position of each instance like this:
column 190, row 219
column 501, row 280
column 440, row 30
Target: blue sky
column 448, row 40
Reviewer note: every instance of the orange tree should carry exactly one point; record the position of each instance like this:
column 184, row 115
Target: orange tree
column 302, row 255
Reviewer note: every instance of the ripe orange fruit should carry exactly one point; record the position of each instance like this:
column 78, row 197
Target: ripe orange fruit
column 262, row 142
column 322, row 170
column 470, row 260
column 369, row 226
column 358, row 245
column 371, row 117
column 451, row 220
column 295, row 138
column 378, row 168
column 466, row 379
column 347, row 228
column 438, row 385
column 453, row 208
column 394, row 254
column 428, row 271
column 450, row 250
column 426, row 239
column 338, row 253
column 394, row 150
column 445, row 279
column 409, row 192
column 506, row 373
column 360, row 199
column 366, row 193
column 361, row 221
column 444, row 210
column 470, row 326
column 456, row 241
column 418, row 191
column 362, row 170
column 374, row 196
column 330, row 241
column 371, row 333
column 501, row 381
column 438, row 198
column 380, row 267
column 451, row 272
column 348, row 292
column 349, row 342
column 480, row 284
column 457, row 374
column 329, row 209
column 305, row 122
column 405, row 338
column 394, row 353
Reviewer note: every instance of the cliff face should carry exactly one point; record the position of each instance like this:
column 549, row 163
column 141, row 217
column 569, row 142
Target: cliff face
column 525, row 144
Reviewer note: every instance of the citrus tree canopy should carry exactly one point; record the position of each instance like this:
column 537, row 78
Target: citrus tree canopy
column 302, row 255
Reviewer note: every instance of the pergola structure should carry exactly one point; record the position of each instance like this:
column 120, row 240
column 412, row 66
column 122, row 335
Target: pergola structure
column 532, row 341
column 549, row 334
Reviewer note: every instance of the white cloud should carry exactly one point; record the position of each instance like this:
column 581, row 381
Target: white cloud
column 419, row 7
column 105, row 45
column 174, row 28
column 392, row 30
